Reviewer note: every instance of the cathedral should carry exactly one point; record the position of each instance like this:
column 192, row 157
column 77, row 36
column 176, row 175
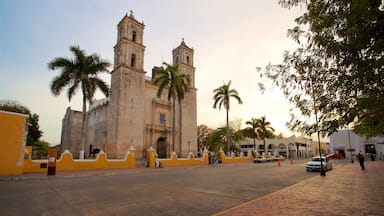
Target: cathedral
column 133, row 115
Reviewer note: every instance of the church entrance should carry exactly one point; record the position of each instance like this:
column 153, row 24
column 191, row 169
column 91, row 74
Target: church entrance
column 161, row 147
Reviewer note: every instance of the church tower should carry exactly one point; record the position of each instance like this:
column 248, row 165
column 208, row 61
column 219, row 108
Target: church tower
column 125, row 114
column 186, row 119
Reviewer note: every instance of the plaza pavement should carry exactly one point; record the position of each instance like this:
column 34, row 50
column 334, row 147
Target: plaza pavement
column 345, row 191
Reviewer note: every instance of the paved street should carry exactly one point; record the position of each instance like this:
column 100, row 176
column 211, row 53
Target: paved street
column 231, row 189
column 202, row 190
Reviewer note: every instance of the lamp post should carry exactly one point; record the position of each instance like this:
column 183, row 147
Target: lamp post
column 350, row 146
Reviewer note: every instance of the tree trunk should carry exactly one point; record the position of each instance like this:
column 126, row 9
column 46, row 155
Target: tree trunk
column 180, row 127
column 254, row 143
column 227, row 133
column 265, row 148
column 173, row 124
column 83, row 129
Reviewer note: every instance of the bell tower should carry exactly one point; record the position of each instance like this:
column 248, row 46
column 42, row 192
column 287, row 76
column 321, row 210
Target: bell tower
column 125, row 113
column 186, row 117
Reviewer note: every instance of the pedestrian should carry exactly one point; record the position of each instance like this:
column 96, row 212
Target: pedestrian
column 157, row 162
column 361, row 158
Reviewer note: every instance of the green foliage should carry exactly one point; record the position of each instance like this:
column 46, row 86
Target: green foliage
column 235, row 149
column 250, row 131
column 202, row 136
column 337, row 72
column 40, row 149
column 264, row 130
column 170, row 78
column 13, row 106
column 34, row 133
column 223, row 94
column 80, row 72
column 218, row 138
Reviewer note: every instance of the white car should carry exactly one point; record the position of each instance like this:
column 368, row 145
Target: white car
column 315, row 164
column 259, row 159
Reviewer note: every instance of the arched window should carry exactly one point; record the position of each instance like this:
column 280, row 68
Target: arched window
column 134, row 34
column 133, row 60
column 187, row 60
column 177, row 59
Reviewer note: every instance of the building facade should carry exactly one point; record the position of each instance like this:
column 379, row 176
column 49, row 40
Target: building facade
column 134, row 116
column 291, row 147
column 348, row 143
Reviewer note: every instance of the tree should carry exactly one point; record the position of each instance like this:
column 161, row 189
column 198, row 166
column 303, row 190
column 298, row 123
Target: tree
column 251, row 130
column 202, row 136
column 13, row 106
column 34, row 132
column 218, row 138
column 264, row 130
column 80, row 72
column 222, row 97
column 337, row 68
column 40, row 149
column 280, row 136
column 177, row 85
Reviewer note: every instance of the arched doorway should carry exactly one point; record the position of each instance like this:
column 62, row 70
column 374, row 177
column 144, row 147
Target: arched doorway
column 161, row 147
column 282, row 150
column 271, row 149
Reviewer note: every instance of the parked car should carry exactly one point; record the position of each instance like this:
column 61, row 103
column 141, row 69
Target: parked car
column 335, row 156
column 278, row 157
column 315, row 164
column 259, row 159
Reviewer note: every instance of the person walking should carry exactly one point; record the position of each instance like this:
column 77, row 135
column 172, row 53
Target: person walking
column 361, row 158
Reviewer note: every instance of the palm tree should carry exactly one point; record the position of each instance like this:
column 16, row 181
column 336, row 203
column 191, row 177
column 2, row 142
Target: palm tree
column 252, row 130
column 222, row 97
column 177, row 85
column 80, row 72
column 264, row 130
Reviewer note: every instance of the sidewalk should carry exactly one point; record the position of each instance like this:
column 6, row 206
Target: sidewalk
column 346, row 190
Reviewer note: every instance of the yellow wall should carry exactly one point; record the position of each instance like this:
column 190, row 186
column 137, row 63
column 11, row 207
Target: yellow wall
column 233, row 159
column 175, row 162
column 190, row 161
column 12, row 142
column 66, row 163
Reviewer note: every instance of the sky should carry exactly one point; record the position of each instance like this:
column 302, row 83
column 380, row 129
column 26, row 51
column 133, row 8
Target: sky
column 231, row 38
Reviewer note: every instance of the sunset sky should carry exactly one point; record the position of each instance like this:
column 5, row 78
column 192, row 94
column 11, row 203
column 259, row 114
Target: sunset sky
column 230, row 38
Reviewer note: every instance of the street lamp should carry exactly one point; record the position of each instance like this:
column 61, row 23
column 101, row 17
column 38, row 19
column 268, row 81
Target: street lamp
column 350, row 147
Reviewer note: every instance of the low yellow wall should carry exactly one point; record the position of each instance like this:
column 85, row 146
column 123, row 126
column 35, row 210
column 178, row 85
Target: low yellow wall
column 191, row 161
column 241, row 159
column 175, row 162
column 13, row 134
column 66, row 163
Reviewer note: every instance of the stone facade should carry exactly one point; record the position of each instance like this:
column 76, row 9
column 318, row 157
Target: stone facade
column 134, row 115
column 70, row 131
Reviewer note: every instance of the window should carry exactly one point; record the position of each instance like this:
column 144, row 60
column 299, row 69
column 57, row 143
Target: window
column 177, row 59
column 134, row 34
column 133, row 60
column 187, row 60
column 163, row 120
